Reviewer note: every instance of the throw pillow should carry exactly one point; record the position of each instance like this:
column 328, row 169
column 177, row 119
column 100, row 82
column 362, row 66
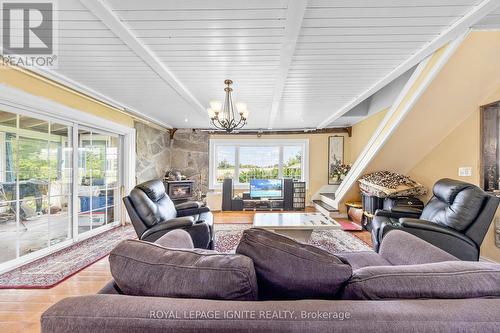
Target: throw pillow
column 287, row 269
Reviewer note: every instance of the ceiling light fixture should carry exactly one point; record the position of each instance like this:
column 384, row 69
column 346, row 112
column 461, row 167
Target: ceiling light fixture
column 222, row 114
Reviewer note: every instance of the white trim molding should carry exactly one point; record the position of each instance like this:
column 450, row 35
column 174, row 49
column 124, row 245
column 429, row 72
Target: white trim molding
column 214, row 143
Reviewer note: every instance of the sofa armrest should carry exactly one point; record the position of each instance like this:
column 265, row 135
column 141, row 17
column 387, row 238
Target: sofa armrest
column 119, row 313
column 192, row 211
column 176, row 239
column 176, row 223
column 396, row 214
column 434, row 227
column 189, row 205
column 401, row 248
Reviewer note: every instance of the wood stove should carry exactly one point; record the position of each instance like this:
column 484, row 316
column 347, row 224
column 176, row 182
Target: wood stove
column 179, row 190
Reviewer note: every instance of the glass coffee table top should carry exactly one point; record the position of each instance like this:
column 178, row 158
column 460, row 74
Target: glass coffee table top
column 298, row 221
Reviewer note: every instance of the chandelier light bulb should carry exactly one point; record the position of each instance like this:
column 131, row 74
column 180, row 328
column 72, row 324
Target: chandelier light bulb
column 211, row 113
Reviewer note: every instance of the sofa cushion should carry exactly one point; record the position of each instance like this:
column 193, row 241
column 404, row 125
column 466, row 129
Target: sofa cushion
column 145, row 269
column 287, row 269
column 362, row 259
column 449, row 279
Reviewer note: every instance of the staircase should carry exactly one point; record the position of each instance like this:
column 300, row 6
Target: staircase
column 326, row 205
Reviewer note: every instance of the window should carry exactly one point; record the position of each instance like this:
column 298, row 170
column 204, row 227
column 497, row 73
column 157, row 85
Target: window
column 243, row 160
column 226, row 157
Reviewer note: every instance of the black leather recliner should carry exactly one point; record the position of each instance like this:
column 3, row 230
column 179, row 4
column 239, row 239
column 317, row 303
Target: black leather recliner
column 455, row 219
column 153, row 214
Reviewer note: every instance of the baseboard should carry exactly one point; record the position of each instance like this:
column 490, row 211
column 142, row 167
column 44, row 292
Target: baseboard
column 488, row 260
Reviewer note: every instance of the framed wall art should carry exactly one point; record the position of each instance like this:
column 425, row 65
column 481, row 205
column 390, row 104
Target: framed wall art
column 335, row 159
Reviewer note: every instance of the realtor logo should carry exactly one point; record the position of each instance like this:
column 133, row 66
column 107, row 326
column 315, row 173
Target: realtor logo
column 28, row 33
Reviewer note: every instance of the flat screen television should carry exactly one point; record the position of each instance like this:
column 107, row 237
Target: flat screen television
column 266, row 188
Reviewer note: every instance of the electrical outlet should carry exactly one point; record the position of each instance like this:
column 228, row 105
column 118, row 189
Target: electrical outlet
column 465, row 172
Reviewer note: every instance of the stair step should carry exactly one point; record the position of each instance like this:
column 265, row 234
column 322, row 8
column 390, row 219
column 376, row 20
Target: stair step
column 325, row 206
column 328, row 195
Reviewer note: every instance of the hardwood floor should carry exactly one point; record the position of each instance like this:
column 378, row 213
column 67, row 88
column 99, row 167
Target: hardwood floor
column 20, row 309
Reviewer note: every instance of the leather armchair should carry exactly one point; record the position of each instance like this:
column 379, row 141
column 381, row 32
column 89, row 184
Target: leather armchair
column 455, row 219
column 153, row 214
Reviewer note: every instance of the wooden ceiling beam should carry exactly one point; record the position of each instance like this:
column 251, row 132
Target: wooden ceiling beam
column 336, row 130
column 295, row 14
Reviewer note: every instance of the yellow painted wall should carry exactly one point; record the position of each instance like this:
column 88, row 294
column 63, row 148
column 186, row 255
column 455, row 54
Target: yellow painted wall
column 461, row 148
column 39, row 86
column 362, row 133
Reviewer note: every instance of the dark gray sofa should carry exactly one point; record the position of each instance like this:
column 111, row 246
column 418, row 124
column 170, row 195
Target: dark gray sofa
column 110, row 311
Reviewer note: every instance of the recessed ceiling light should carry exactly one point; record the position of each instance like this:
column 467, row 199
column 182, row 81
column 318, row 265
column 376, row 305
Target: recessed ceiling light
column 186, row 120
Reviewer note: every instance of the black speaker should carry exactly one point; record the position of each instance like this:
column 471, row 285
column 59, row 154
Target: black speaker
column 227, row 194
column 288, row 194
column 236, row 204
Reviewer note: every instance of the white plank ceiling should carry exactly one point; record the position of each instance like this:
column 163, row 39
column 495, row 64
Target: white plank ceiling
column 490, row 22
column 293, row 69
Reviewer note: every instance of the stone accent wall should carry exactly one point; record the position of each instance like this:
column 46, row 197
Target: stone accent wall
column 187, row 152
column 153, row 152
column 190, row 156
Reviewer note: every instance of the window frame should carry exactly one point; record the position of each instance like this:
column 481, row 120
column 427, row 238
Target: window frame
column 215, row 143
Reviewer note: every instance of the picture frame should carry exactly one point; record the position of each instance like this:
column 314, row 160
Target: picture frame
column 335, row 157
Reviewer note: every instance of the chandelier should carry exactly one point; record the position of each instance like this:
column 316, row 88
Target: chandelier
column 222, row 115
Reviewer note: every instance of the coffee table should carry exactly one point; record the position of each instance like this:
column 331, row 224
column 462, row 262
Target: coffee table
column 296, row 225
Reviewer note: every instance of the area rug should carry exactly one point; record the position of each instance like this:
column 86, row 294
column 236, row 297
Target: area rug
column 227, row 237
column 349, row 225
column 58, row 266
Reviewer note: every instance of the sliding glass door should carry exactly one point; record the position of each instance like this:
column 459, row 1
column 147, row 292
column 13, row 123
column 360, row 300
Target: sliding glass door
column 98, row 179
column 37, row 185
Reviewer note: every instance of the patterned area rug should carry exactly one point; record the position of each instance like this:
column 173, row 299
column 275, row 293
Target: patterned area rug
column 349, row 225
column 57, row 267
column 227, row 237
